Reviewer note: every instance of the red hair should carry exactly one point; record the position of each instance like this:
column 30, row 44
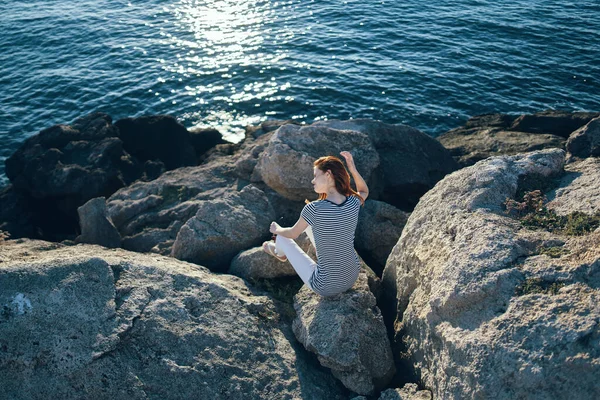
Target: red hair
column 340, row 175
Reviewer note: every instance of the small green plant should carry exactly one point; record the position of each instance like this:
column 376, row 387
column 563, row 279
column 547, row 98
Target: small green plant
column 537, row 285
column 533, row 214
column 578, row 223
column 554, row 252
column 532, row 202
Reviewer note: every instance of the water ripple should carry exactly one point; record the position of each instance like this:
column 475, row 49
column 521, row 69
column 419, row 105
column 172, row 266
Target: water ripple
column 231, row 63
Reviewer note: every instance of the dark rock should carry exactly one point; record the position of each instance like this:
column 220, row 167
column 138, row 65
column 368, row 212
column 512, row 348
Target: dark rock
column 411, row 162
column 379, row 227
column 471, row 144
column 96, row 226
column 585, row 142
column 153, row 169
column 553, row 122
column 16, row 214
column 490, row 120
column 157, row 137
column 205, row 139
column 64, row 166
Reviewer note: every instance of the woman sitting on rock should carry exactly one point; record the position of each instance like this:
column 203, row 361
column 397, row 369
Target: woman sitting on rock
column 330, row 223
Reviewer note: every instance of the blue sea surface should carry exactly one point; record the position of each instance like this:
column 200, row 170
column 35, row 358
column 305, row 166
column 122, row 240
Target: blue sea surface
column 230, row 63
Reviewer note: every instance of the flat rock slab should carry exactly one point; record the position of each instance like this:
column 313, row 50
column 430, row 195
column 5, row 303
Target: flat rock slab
column 87, row 322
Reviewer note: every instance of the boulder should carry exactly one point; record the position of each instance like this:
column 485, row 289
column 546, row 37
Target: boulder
column 482, row 310
column 96, row 226
column 204, row 139
column 80, row 161
column 585, row 141
column 157, row 137
column 286, row 164
column 64, row 166
column 411, row 162
column 553, row 122
column 256, row 264
column 87, row 322
column 148, row 215
column 348, row 335
column 223, row 227
column 379, row 228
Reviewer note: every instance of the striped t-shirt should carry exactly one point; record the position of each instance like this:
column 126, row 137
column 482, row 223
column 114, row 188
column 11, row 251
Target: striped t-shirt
column 333, row 226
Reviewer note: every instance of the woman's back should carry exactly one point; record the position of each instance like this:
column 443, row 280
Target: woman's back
column 334, row 226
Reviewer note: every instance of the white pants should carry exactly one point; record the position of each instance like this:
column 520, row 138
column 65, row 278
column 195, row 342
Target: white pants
column 302, row 263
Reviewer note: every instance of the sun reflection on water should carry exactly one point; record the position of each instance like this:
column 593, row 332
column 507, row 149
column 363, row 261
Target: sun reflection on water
column 218, row 50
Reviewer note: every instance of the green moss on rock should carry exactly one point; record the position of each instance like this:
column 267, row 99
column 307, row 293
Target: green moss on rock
column 538, row 286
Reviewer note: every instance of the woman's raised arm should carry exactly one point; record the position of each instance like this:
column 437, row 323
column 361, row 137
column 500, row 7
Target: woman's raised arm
column 361, row 185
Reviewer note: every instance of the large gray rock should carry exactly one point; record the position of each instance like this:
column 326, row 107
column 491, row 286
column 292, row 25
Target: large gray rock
column 585, row 141
column 379, row 228
column 85, row 322
column 482, row 310
column 267, row 126
column 411, row 162
column 96, row 226
column 223, row 227
column 347, row 333
column 149, row 215
column 286, row 164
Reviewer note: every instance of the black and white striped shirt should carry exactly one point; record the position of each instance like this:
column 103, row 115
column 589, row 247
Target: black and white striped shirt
column 333, row 227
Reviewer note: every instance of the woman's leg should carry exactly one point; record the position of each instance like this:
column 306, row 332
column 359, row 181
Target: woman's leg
column 302, row 263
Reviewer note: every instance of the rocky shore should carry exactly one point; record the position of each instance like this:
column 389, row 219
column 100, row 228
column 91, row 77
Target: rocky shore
column 130, row 263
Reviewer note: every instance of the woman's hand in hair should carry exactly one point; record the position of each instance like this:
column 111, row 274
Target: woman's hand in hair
column 349, row 159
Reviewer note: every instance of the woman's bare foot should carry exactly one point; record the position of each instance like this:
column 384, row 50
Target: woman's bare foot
column 270, row 248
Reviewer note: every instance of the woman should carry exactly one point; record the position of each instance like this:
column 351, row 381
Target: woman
column 330, row 222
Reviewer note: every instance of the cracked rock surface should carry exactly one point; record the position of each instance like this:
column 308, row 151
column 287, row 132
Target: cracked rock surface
column 483, row 311
column 88, row 322
column 347, row 333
